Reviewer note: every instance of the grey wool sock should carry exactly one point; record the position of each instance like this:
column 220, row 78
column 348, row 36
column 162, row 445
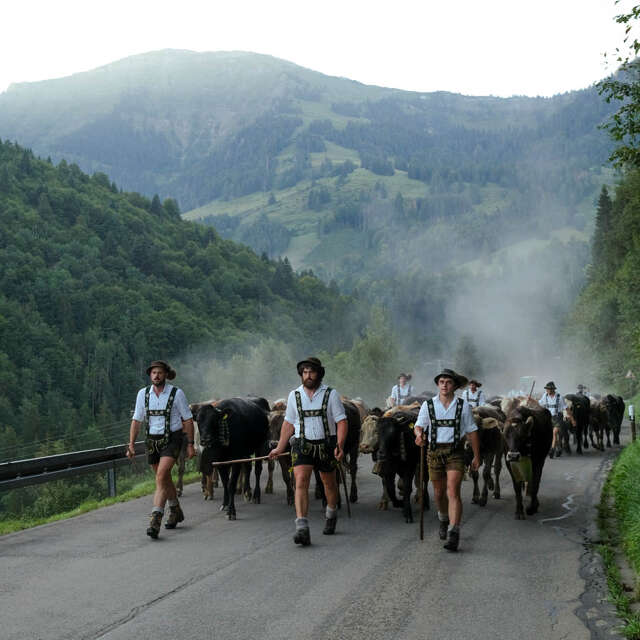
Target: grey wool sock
column 443, row 517
column 302, row 523
column 454, row 527
column 331, row 513
column 160, row 510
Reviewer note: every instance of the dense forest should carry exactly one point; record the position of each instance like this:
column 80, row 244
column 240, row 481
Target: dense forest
column 94, row 283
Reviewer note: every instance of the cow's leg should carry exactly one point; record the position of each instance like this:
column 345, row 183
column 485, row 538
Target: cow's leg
column 517, row 489
column 180, row 464
column 270, row 467
column 389, row 480
column 476, row 489
column 234, row 476
column 578, row 439
column 256, row 491
column 286, row 478
column 486, row 480
column 353, row 470
column 536, row 474
column 246, row 481
column 497, row 467
column 407, row 511
column 224, row 472
column 383, row 505
column 215, row 476
column 608, row 431
column 566, row 440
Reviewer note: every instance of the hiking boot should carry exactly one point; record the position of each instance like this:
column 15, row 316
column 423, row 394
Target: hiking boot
column 454, row 540
column 552, row 452
column 175, row 515
column 330, row 526
column 558, row 452
column 302, row 537
column 154, row 525
column 444, row 529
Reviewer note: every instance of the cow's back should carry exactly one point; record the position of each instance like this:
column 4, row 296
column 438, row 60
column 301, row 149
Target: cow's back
column 248, row 426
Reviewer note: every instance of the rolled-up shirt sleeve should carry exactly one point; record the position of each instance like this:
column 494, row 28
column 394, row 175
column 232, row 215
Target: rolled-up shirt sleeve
column 183, row 405
column 138, row 412
column 468, row 424
column 291, row 413
column 423, row 421
column 336, row 407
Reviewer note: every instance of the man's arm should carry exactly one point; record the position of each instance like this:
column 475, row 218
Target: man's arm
column 187, row 427
column 474, row 439
column 342, row 429
column 286, row 432
column 133, row 434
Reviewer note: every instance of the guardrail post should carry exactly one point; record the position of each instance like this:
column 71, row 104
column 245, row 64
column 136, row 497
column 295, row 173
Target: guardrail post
column 111, row 481
column 633, row 429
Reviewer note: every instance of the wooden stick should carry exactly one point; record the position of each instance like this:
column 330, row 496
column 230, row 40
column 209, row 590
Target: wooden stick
column 421, row 492
column 220, row 464
column 531, row 392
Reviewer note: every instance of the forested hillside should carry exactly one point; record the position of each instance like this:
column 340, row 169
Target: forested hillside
column 606, row 320
column 94, row 283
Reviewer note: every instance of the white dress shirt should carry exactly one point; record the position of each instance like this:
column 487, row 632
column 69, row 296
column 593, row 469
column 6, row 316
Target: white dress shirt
column 313, row 427
column 445, row 434
column 179, row 411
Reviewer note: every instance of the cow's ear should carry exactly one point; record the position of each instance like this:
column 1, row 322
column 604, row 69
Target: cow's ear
column 529, row 423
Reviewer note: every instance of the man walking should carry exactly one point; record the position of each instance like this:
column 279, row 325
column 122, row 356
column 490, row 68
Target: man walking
column 401, row 391
column 168, row 419
column 555, row 403
column 444, row 421
column 316, row 417
column 474, row 394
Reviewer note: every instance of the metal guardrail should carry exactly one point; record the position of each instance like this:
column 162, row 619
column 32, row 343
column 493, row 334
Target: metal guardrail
column 22, row 473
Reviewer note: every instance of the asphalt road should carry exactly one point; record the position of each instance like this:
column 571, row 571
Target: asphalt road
column 99, row 576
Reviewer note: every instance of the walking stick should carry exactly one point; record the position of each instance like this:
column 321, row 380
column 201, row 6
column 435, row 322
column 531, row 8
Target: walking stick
column 343, row 476
column 531, row 392
column 220, row 464
column 422, row 492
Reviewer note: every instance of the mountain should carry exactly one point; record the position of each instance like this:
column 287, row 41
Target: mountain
column 96, row 283
column 399, row 195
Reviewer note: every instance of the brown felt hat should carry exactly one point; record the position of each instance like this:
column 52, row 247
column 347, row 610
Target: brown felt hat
column 171, row 374
column 550, row 385
column 312, row 362
column 459, row 380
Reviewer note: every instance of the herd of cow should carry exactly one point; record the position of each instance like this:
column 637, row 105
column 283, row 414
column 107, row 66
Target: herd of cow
column 517, row 430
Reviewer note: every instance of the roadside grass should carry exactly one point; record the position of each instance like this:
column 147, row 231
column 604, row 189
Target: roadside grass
column 619, row 523
column 139, row 490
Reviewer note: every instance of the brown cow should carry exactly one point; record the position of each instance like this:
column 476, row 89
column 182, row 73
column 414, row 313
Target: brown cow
column 528, row 434
column 276, row 418
column 491, row 452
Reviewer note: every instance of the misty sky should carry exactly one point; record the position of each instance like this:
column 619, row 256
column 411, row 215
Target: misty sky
column 488, row 47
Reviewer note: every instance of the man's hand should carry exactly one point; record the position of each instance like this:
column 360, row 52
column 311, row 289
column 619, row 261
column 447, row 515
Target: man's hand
column 419, row 437
column 475, row 463
column 338, row 453
column 131, row 452
column 191, row 451
column 274, row 453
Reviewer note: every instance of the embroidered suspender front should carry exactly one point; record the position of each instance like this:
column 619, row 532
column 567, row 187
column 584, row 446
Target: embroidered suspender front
column 436, row 424
column 159, row 443
column 305, row 447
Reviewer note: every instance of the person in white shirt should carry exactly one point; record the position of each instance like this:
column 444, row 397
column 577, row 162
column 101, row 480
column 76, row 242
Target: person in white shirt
column 402, row 390
column 555, row 403
column 168, row 419
column 474, row 394
column 444, row 421
column 316, row 418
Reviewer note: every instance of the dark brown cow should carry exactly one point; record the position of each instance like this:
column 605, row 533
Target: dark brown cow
column 276, row 418
column 491, row 452
column 528, row 434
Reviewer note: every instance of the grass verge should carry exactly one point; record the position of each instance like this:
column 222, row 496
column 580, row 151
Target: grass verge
column 142, row 489
column 619, row 523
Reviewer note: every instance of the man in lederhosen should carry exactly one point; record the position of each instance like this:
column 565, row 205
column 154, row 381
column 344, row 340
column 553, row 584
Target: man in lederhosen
column 168, row 419
column 474, row 394
column 445, row 421
column 556, row 405
column 401, row 391
column 316, row 417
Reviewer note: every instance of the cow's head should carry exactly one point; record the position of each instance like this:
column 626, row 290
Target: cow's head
column 369, row 440
column 517, row 434
column 213, row 426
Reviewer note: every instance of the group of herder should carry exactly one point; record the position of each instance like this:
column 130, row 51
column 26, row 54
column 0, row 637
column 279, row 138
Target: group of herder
column 315, row 420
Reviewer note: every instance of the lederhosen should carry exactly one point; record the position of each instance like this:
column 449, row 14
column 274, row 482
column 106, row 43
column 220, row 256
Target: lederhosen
column 444, row 452
column 157, row 442
column 555, row 418
column 319, row 452
column 402, row 398
column 473, row 401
